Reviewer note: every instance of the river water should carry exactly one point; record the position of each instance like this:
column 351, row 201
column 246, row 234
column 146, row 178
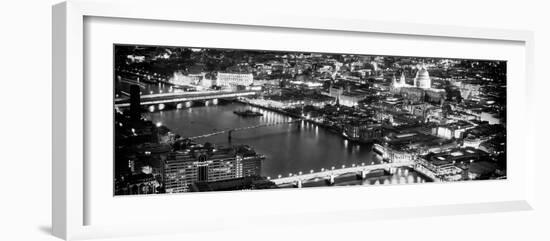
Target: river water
column 289, row 148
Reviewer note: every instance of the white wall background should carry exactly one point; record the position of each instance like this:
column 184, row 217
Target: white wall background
column 25, row 119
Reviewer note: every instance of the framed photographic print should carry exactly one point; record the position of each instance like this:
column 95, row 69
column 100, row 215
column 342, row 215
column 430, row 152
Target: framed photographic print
column 192, row 119
column 220, row 119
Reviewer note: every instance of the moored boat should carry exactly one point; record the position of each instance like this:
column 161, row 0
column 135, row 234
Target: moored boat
column 247, row 113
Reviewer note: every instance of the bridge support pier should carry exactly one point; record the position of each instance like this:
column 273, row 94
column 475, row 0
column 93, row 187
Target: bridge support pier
column 363, row 174
column 298, row 184
column 330, row 180
column 393, row 170
column 229, row 135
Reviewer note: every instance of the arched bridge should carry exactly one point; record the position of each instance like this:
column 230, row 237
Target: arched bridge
column 330, row 174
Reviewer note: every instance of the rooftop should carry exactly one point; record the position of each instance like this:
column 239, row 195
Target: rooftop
column 457, row 154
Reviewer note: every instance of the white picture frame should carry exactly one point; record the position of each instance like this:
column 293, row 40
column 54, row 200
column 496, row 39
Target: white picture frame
column 70, row 190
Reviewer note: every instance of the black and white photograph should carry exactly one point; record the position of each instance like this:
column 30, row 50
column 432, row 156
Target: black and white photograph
column 275, row 121
column 194, row 119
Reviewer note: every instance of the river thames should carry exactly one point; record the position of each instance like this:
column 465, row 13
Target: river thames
column 289, row 148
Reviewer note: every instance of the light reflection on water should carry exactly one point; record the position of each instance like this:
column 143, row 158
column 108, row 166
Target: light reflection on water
column 289, row 148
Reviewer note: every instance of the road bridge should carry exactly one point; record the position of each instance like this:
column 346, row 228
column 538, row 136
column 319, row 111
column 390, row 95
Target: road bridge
column 330, row 174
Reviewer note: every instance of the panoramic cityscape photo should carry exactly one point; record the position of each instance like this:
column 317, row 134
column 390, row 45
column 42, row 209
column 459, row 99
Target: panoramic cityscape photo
column 192, row 119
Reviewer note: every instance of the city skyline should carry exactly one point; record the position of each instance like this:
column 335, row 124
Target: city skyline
column 199, row 49
column 193, row 119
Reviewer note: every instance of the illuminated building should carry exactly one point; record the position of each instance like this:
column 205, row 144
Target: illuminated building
column 231, row 79
column 495, row 146
column 346, row 98
column 422, row 79
column 490, row 117
column 136, row 58
column 447, row 165
column 420, row 91
column 472, row 141
column 435, row 95
column 469, row 90
column 396, row 147
column 483, row 132
column 350, row 100
column 401, row 83
column 290, row 98
column 306, row 84
column 201, row 164
column 405, row 143
column 417, row 109
column 191, row 79
column 453, row 130
column 400, row 155
column 438, row 166
column 206, row 83
column 363, row 132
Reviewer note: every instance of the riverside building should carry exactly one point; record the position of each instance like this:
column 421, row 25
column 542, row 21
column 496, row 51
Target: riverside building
column 202, row 164
column 234, row 79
